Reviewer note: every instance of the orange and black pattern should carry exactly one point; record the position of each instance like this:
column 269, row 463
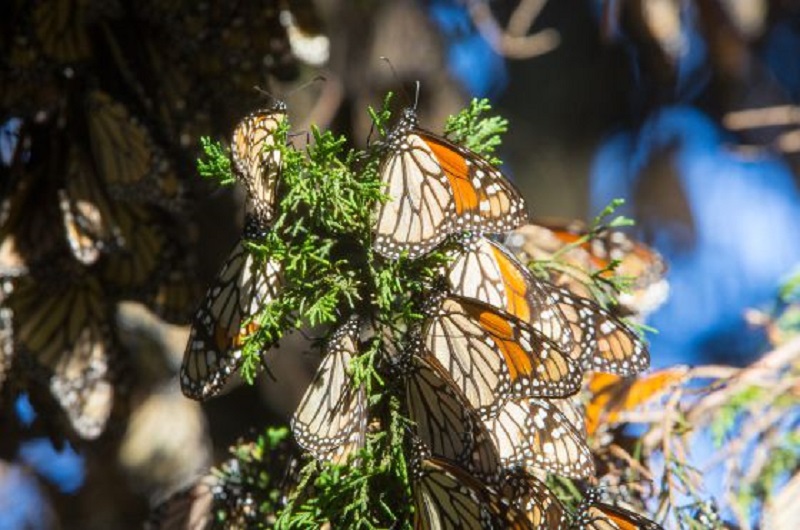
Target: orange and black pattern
column 490, row 372
column 486, row 379
column 438, row 188
column 593, row 514
column 603, row 251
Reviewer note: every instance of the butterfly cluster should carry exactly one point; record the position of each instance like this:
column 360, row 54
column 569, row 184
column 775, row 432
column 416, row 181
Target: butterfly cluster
column 72, row 247
column 101, row 104
column 246, row 282
column 484, row 374
column 574, row 255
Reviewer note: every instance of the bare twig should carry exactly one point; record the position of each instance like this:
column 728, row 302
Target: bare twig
column 762, row 372
column 762, row 117
column 514, row 42
column 523, row 17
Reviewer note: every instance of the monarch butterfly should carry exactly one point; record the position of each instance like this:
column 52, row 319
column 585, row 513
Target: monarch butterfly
column 437, row 188
column 595, row 515
column 243, row 287
column 247, row 282
column 613, row 395
column 491, row 355
column 446, row 497
column 88, row 216
column 34, row 179
column 542, row 509
column 62, row 29
column 128, row 161
column 533, row 433
column 331, row 420
column 603, row 342
column 150, row 263
column 642, row 266
column 445, row 422
column 485, row 271
column 60, row 328
column 145, row 251
column 255, row 157
column 582, row 329
column 188, row 509
column 207, row 502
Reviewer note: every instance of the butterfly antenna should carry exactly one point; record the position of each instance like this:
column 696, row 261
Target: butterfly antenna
column 371, row 131
column 265, row 92
column 400, row 83
column 316, row 79
column 293, row 91
column 308, row 336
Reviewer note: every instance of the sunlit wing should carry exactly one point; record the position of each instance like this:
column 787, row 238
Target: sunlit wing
column 331, row 420
column 61, row 328
column 437, row 188
column 533, row 433
column 445, row 422
column 258, row 160
column 493, row 356
column 244, row 286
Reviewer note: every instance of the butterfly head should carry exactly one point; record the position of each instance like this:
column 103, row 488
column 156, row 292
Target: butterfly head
column 255, row 227
column 408, row 121
column 435, row 296
column 408, row 117
column 279, row 106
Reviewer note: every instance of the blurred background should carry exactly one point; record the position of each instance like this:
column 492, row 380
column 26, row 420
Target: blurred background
column 685, row 108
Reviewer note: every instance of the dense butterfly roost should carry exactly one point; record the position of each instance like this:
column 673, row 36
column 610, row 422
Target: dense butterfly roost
column 102, row 104
column 71, row 250
column 447, row 391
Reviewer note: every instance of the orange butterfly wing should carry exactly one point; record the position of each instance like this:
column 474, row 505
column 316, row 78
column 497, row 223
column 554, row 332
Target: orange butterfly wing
column 437, row 188
column 492, row 355
column 613, row 395
column 483, row 270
